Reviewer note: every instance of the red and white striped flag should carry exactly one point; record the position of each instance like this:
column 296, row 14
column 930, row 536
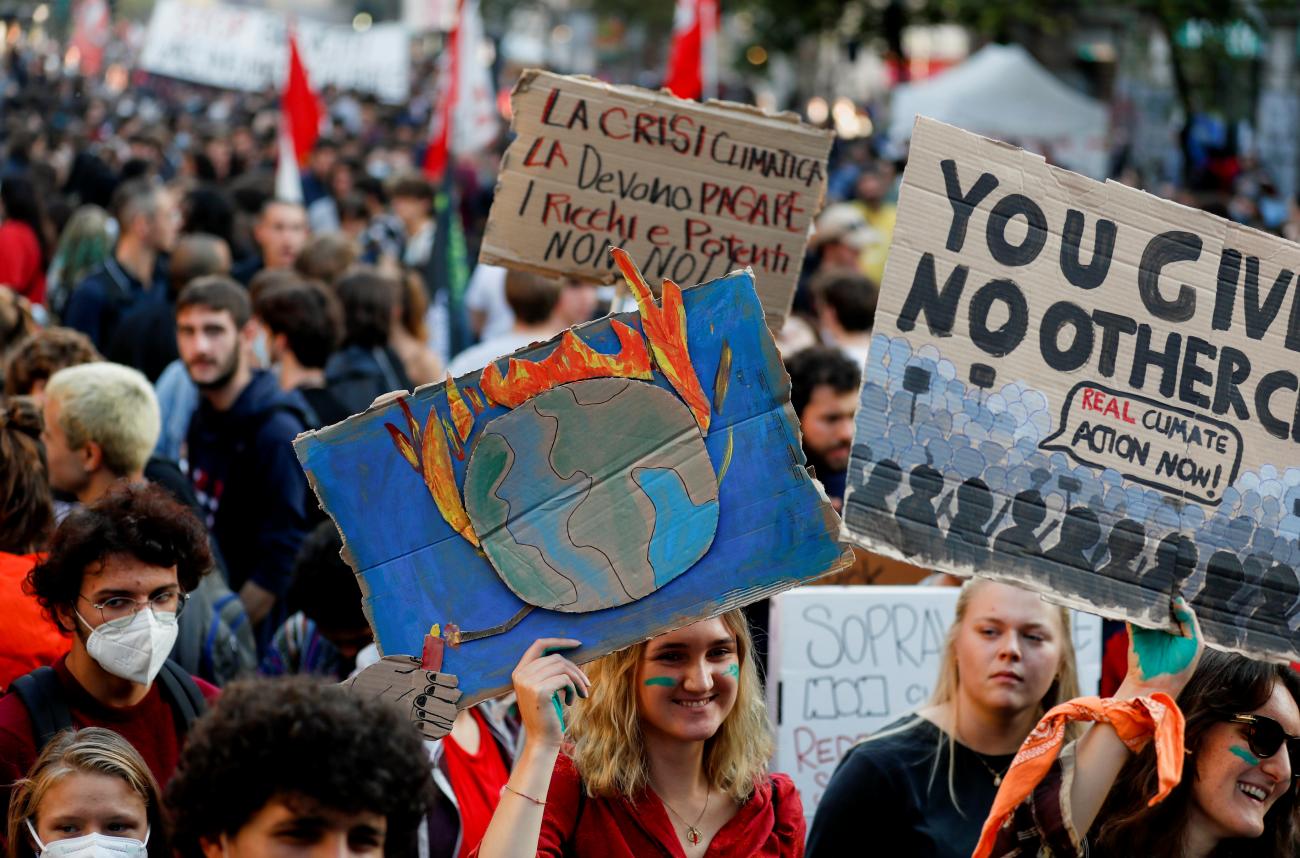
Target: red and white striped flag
column 693, row 59
column 464, row 117
column 300, row 117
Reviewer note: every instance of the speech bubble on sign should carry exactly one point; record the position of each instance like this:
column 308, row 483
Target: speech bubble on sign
column 1174, row 450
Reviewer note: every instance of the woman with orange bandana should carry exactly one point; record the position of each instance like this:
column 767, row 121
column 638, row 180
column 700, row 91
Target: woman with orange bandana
column 1211, row 776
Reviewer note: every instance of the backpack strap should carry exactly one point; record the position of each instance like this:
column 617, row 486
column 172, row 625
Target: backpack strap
column 42, row 694
column 186, row 698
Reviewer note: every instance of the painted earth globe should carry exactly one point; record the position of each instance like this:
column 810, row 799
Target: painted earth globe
column 593, row 494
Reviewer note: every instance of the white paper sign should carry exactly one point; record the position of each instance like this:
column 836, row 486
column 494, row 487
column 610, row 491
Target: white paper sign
column 245, row 48
column 846, row 661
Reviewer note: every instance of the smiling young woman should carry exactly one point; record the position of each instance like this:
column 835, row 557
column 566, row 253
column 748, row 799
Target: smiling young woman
column 666, row 755
column 923, row 785
column 1236, row 797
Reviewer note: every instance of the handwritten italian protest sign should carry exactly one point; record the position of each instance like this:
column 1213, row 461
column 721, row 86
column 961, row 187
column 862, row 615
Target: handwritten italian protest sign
column 847, row 661
column 691, row 191
column 1086, row 389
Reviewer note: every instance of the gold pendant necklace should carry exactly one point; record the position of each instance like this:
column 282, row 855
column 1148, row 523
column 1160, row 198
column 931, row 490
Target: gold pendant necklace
column 693, row 833
column 997, row 776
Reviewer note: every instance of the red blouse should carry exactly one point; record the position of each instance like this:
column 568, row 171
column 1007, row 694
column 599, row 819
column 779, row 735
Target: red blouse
column 769, row 825
column 476, row 781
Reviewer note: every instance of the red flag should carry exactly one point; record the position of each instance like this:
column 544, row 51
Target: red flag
column 91, row 31
column 299, row 105
column 692, row 61
column 464, row 118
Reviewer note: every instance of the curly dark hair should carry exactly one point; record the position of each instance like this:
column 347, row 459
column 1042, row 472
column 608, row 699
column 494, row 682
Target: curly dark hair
column 43, row 354
column 141, row 521
column 1223, row 685
column 817, row 366
column 295, row 737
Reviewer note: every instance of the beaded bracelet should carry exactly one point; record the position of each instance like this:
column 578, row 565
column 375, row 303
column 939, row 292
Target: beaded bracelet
column 507, row 787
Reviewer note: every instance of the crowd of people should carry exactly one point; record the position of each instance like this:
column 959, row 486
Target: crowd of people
column 179, row 616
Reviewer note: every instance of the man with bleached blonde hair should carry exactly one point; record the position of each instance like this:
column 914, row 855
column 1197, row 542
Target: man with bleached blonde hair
column 101, row 424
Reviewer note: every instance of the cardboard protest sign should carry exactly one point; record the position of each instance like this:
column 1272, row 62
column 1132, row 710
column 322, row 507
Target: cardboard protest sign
column 1087, row 389
column 631, row 476
column 245, row 48
column 847, row 661
column 690, row 190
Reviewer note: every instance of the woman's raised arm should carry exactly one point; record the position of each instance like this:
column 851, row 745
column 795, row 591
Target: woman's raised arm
column 1157, row 661
column 541, row 678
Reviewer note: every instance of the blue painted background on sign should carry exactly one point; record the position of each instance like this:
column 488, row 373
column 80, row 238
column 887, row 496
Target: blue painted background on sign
column 773, row 527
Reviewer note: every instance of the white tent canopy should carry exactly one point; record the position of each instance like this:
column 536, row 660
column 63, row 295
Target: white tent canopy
column 1001, row 91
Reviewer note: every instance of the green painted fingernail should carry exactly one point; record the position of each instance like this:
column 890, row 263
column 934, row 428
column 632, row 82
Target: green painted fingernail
column 559, row 710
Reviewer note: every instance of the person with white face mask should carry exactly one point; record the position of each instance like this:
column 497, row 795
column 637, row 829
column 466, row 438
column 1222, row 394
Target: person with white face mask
column 89, row 795
column 116, row 577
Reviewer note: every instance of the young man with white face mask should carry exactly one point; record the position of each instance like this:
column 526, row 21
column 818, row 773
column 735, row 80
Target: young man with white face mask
column 116, row 577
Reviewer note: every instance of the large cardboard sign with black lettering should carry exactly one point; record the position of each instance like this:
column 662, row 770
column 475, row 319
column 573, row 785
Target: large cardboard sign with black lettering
column 692, row 191
column 1087, row 389
column 847, row 661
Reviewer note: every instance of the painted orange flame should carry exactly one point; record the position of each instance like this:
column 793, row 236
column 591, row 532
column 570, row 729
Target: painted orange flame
column 460, row 415
column 427, row 453
column 666, row 329
column 572, row 360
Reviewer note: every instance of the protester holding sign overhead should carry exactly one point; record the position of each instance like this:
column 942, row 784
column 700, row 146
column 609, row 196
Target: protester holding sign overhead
column 923, row 785
column 1213, row 775
column 667, row 754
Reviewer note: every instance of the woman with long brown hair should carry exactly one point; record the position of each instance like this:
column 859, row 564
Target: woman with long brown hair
column 667, row 754
column 1220, row 785
column 923, row 785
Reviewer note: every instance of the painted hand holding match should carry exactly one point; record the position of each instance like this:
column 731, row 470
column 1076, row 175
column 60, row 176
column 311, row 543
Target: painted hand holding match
column 429, row 698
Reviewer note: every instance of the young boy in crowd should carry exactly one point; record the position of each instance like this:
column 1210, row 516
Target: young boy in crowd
column 294, row 766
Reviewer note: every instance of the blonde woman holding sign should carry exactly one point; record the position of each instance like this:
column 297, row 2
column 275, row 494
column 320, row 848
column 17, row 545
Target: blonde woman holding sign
column 923, row 785
column 666, row 755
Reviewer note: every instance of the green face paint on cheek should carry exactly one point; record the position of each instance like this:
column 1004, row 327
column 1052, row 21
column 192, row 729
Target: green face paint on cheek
column 665, row 681
column 1245, row 755
column 733, row 670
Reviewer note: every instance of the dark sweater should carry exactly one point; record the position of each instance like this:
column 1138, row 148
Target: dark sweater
column 889, row 791
column 248, row 479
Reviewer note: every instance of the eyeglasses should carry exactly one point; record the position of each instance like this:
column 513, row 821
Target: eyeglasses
column 118, row 611
column 1266, row 737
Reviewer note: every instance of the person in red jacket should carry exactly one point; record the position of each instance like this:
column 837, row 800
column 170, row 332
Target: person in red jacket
column 116, row 576
column 28, row 639
column 667, row 755
column 24, row 251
